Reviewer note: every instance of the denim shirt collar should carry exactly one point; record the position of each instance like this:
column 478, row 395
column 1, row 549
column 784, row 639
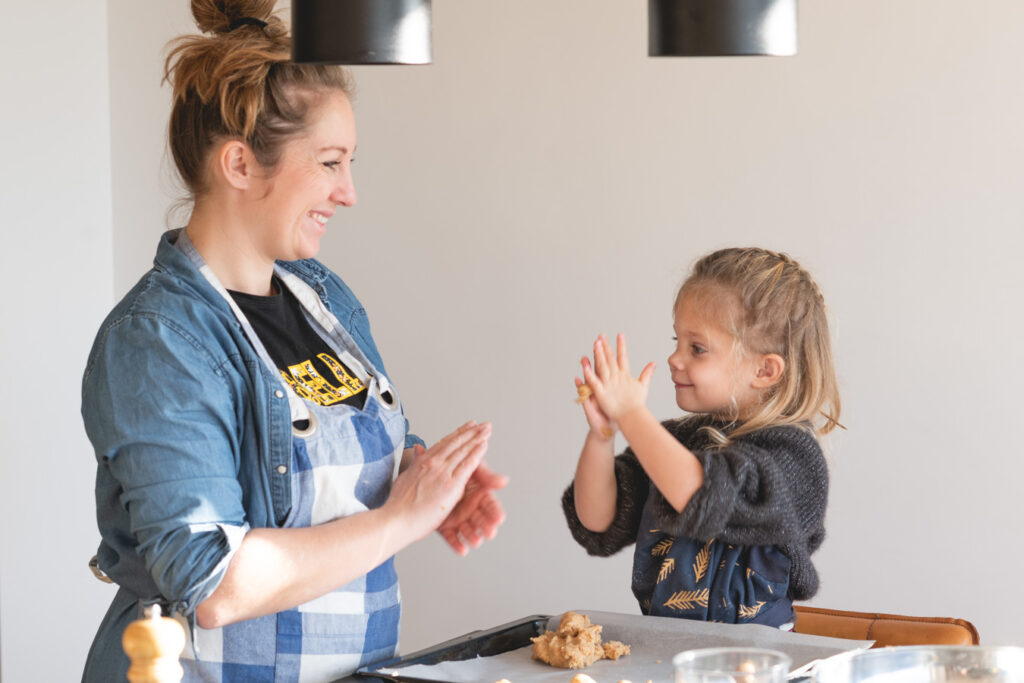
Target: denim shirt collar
column 170, row 259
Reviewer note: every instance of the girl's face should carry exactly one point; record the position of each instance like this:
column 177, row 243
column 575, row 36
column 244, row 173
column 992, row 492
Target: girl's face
column 709, row 374
column 312, row 179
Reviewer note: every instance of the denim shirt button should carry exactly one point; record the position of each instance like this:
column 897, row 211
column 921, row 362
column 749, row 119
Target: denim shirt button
column 279, row 394
column 281, row 469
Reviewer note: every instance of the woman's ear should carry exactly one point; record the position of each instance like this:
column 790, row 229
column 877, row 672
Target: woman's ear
column 769, row 370
column 235, row 164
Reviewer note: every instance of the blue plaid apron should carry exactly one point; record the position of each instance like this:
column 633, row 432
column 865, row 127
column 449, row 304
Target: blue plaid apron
column 343, row 463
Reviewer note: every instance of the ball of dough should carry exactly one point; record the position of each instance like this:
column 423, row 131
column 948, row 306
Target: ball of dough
column 576, row 644
column 614, row 649
column 572, row 623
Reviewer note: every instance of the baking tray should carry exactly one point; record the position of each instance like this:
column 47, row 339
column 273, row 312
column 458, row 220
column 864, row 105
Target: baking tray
column 503, row 652
column 493, row 641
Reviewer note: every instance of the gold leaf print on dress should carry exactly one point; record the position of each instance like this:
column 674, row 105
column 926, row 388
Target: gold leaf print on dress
column 749, row 572
column 750, row 611
column 700, row 563
column 661, row 548
column 688, row 599
column 666, row 568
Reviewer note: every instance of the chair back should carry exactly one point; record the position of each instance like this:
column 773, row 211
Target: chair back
column 885, row 629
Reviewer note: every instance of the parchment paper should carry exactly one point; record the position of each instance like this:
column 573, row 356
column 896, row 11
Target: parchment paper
column 653, row 642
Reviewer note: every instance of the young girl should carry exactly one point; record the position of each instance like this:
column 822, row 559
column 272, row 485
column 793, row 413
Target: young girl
column 725, row 505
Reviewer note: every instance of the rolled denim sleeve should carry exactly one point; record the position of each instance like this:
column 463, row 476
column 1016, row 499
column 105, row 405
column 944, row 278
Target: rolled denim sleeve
column 160, row 411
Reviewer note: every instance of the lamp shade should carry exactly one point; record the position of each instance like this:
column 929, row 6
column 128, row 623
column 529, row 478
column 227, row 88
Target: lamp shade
column 361, row 31
column 696, row 28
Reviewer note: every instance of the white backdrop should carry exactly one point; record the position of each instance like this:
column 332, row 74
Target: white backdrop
column 544, row 181
column 57, row 274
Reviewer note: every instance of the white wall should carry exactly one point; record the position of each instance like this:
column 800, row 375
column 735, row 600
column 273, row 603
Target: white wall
column 57, row 276
column 142, row 176
column 543, row 181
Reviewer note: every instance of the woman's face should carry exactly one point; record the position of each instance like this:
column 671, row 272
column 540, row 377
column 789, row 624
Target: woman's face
column 312, row 179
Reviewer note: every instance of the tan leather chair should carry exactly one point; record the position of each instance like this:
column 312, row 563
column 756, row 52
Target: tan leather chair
column 885, row 629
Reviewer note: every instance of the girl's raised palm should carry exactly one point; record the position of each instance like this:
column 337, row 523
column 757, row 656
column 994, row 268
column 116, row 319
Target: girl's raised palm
column 598, row 421
column 616, row 391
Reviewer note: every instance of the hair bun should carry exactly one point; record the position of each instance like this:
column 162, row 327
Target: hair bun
column 216, row 16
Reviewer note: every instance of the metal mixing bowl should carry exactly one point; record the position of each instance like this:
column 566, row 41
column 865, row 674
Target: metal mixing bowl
column 925, row 664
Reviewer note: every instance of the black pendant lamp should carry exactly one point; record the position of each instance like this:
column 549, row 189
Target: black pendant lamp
column 705, row 28
column 361, row 31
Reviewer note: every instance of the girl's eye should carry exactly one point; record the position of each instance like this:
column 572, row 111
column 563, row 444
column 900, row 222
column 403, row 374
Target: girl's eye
column 698, row 349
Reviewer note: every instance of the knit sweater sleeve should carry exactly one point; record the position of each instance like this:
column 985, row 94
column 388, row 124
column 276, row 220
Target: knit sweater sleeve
column 767, row 488
column 632, row 486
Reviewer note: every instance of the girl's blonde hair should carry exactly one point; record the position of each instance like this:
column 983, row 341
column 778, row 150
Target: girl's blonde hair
column 237, row 82
column 771, row 305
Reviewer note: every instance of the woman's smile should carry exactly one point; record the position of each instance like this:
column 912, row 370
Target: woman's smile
column 319, row 221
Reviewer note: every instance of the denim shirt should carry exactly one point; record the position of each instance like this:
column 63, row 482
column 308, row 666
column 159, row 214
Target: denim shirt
column 192, row 432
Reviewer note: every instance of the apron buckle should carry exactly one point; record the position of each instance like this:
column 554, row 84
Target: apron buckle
column 94, row 566
column 306, row 431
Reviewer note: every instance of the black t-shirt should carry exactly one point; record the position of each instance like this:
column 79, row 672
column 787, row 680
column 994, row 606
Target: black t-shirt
column 304, row 359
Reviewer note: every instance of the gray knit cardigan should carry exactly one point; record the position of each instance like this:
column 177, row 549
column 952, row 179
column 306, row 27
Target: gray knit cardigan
column 769, row 487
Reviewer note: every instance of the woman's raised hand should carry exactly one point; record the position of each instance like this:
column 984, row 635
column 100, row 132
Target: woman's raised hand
column 615, row 391
column 431, row 487
column 478, row 515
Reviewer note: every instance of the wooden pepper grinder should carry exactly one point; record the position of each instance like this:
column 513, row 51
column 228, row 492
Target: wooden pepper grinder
column 153, row 645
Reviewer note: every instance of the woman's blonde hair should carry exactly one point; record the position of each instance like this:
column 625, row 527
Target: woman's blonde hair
column 237, row 82
column 771, row 305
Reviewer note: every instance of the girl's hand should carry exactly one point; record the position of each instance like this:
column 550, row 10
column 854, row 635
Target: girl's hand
column 601, row 427
column 434, row 482
column 616, row 391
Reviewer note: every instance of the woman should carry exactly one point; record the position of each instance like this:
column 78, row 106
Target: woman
column 247, row 436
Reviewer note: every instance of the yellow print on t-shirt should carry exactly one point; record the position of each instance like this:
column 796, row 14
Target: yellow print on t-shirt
column 310, row 384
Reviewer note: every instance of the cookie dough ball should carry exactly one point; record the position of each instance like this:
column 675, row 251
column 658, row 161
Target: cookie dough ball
column 568, row 651
column 576, row 644
column 613, row 649
column 572, row 623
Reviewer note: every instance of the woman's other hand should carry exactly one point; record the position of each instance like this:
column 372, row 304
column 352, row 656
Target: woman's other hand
column 478, row 515
column 434, row 483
